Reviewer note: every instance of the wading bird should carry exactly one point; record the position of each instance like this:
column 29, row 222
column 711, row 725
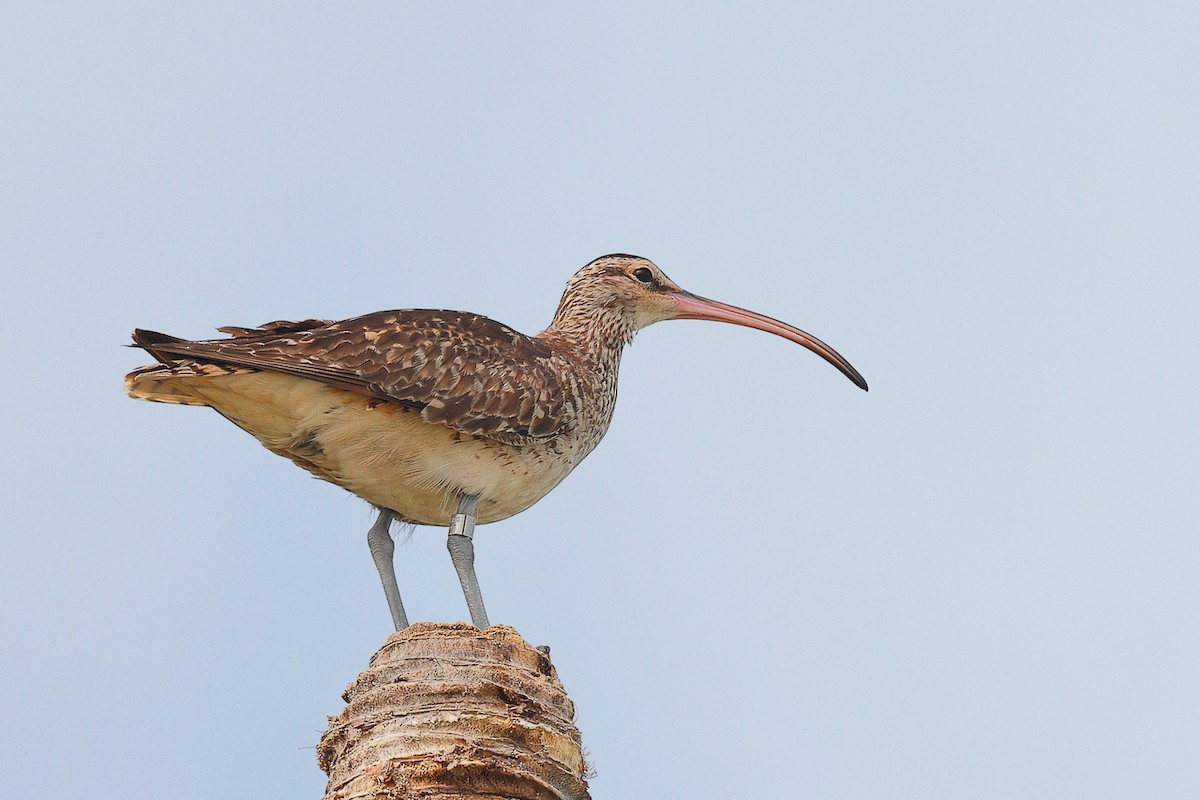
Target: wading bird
column 438, row 417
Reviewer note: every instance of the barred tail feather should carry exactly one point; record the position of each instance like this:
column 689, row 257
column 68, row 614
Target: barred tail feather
column 168, row 382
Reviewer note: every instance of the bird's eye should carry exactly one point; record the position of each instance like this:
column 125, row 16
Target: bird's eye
column 644, row 275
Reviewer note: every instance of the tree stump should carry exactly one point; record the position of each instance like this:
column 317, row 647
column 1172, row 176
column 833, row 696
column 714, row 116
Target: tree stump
column 449, row 712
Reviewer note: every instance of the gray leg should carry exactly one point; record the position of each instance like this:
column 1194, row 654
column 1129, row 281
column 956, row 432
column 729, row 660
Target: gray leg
column 461, row 544
column 382, row 547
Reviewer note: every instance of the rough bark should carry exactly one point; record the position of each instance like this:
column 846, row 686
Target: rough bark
column 446, row 711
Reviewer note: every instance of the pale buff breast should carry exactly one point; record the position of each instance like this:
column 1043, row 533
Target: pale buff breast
column 384, row 452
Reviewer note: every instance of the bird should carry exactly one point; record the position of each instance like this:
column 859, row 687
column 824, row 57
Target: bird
column 438, row 417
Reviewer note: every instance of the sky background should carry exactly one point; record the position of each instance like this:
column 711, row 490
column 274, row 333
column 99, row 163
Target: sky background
column 977, row 580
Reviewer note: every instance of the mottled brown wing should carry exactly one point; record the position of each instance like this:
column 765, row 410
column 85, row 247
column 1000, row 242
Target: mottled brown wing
column 278, row 326
column 463, row 370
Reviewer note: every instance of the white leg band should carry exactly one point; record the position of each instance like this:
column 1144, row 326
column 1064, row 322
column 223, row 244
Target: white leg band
column 462, row 525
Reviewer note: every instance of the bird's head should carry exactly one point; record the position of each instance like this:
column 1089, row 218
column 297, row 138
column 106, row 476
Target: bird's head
column 641, row 294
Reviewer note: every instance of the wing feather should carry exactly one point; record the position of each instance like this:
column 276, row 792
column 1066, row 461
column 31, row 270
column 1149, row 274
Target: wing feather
column 462, row 370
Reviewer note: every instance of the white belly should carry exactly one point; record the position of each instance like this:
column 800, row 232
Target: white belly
column 385, row 453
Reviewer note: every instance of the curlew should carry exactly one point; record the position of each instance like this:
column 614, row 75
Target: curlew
column 438, row 417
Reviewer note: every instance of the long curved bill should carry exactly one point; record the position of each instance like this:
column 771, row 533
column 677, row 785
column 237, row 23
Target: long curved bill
column 691, row 306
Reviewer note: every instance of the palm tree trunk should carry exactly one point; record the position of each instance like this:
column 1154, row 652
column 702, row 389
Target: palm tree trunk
column 446, row 711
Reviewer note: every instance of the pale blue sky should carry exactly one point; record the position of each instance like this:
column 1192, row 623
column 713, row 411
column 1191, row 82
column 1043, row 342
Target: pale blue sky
column 978, row 580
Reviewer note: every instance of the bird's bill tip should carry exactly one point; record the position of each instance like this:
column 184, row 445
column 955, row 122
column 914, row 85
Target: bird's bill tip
column 692, row 306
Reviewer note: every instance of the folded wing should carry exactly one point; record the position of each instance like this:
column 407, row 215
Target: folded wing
column 462, row 370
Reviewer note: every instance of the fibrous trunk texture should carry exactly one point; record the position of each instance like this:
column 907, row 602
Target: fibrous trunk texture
column 449, row 712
